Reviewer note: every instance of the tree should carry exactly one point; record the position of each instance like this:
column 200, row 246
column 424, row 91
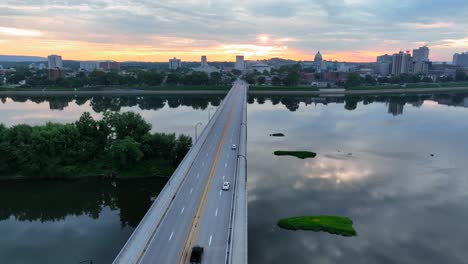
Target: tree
column 124, row 153
column 353, row 80
column 460, row 75
column 126, row 124
column 215, row 78
column 261, row 80
column 276, row 81
column 182, row 146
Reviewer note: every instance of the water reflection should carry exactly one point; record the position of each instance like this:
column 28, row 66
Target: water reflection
column 395, row 103
column 407, row 206
column 101, row 103
column 60, row 221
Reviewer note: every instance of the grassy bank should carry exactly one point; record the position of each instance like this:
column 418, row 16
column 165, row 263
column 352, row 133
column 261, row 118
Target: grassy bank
column 113, row 88
column 297, row 154
column 411, row 86
column 331, row 224
column 282, row 88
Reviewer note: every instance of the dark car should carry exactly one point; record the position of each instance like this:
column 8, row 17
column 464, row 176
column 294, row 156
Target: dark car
column 196, row 256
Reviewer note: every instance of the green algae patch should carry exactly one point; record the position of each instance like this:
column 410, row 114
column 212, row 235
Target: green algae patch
column 297, row 154
column 277, row 135
column 331, row 224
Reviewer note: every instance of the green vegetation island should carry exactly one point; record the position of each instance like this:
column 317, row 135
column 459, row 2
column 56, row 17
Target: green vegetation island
column 331, row 224
column 277, row 135
column 119, row 145
column 297, row 154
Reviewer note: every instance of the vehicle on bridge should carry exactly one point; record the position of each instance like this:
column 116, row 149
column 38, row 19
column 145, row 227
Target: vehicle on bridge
column 233, row 147
column 196, row 256
column 226, row 186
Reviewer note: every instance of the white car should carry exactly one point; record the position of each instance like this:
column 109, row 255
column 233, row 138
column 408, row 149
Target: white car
column 233, row 147
column 225, row 186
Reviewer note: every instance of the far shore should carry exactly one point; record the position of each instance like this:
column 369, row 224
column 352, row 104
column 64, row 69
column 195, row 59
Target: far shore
column 254, row 91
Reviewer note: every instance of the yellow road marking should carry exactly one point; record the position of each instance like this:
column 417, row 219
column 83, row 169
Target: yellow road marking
column 203, row 199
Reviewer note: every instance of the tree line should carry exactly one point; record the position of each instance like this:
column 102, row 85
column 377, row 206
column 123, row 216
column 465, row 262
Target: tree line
column 116, row 143
column 137, row 77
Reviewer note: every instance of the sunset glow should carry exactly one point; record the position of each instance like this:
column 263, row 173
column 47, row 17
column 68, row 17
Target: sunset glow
column 147, row 31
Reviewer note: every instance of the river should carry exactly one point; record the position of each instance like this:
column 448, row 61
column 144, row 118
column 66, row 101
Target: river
column 395, row 165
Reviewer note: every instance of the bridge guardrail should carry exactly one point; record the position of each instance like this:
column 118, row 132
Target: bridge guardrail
column 237, row 239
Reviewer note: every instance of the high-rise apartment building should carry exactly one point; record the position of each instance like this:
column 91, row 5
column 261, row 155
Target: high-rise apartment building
column 401, row 63
column 240, row 63
column 55, row 62
column 421, row 54
column 89, row 66
column 461, row 59
column 174, row 64
column 385, row 58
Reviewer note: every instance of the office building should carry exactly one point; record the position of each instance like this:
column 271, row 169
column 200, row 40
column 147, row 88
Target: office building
column 204, row 67
column 421, row 66
column 89, row 66
column 109, row 66
column 461, row 59
column 240, row 63
column 401, row 63
column 55, row 62
column 421, row 54
column 385, row 58
column 174, row 64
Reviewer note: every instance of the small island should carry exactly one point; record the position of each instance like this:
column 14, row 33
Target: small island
column 297, row 154
column 120, row 145
column 331, row 224
column 277, row 135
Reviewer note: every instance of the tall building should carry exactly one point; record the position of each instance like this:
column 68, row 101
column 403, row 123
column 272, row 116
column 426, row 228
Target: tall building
column 55, row 62
column 204, row 67
column 384, row 58
column 421, row 54
column 461, row 59
column 89, row 66
column 401, row 63
column 204, row 61
column 174, row 64
column 109, row 66
column 318, row 62
column 240, row 63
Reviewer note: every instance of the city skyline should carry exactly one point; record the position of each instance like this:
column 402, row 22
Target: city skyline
column 349, row 30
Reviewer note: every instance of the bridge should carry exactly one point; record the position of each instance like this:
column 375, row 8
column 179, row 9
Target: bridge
column 192, row 209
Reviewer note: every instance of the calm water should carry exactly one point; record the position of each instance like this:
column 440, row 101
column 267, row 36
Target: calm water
column 374, row 165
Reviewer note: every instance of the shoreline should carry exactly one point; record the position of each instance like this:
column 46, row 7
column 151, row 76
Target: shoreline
column 219, row 92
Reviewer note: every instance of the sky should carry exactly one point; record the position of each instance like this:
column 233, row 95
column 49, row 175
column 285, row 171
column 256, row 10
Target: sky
column 149, row 30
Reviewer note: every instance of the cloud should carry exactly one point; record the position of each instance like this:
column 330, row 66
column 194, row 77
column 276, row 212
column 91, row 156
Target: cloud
column 219, row 27
column 20, row 32
column 436, row 25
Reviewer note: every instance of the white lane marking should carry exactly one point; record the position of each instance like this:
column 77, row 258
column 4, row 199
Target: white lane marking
column 207, row 154
column 171, row 235
column 225, row 165
column 198, row 175
column 216, row 213
column 191, row 190
column 220, row 192
column 228, row 155
column 203, row 164
column 209, row 243
column 224, row 176
column 182, row 211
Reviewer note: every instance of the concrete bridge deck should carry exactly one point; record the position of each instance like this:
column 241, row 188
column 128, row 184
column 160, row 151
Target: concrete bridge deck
column 192, row 209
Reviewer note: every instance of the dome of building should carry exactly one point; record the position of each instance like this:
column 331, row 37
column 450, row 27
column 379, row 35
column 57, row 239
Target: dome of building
column 318, row 57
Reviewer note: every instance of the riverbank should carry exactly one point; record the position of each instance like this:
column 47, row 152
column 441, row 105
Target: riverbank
column 190, row 90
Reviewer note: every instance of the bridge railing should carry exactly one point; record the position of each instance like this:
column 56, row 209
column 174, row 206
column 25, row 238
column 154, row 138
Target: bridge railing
column 138, row 242
column 237, row 239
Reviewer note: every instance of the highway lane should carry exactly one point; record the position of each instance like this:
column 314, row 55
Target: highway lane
column 213, row 228
column 170, row 241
